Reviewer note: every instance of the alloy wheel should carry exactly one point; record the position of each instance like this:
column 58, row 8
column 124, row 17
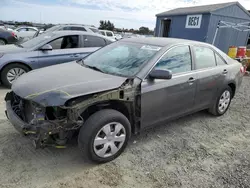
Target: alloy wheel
column 109, row 139
column 224, row 101
column 14, row 73
column 2, row 43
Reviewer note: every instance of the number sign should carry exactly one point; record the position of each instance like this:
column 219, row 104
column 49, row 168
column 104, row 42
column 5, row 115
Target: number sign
column 193, row 21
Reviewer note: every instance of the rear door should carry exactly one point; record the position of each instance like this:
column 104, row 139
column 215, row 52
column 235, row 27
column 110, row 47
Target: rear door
column 65, row 49
column 210, row 76
column 165, row 99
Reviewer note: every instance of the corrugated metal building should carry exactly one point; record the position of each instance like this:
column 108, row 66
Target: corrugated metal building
column 200, row 22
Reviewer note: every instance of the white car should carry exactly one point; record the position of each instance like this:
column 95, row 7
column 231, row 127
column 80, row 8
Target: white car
column 25, row 32
column 110, row 34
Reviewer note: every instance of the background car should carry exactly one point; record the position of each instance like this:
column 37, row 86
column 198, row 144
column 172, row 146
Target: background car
column 26, row 32
column 45, row 50
column 74, row 27
column 110, row 34
column 2, row 26
column 7, row 37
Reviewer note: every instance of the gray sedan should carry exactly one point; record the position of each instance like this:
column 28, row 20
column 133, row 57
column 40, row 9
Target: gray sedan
column 45, row 50
column 123, row 88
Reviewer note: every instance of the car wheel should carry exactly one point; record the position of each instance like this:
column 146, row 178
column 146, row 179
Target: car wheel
column 104, row 136
column 222, row 102
column 11, row 72
column 2, row 42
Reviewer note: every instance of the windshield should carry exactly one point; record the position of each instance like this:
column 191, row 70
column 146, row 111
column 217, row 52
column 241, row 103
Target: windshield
column 54, row 28
column 35, row 41
column 121, row 58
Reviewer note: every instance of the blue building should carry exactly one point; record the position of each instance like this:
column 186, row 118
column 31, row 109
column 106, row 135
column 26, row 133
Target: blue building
column 200, row 22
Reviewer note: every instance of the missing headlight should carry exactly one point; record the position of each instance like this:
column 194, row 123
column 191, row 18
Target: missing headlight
column 55, row 113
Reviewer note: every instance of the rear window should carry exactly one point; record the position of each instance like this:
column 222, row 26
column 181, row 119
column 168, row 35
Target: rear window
column 204, row 57
column 93, row 41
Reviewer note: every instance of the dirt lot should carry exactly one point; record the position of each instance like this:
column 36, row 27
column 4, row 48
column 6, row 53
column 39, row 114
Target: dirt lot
column 196, row 151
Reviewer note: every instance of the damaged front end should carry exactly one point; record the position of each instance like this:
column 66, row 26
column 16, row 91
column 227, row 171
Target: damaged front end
column 50, row 125
column 46, row 126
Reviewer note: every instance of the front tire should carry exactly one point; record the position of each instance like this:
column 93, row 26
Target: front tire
column 222, row 102
column 11, row 72
column 104, row 136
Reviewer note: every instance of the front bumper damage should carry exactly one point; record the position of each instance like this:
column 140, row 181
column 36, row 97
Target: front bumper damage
column 41, row 131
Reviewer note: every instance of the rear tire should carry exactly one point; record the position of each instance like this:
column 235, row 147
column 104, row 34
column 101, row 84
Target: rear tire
column 222, row 102
column 2, row 42
column 10, row 70
column 104, row 136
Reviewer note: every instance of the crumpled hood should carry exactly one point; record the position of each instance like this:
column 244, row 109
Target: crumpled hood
column 54, row 85
column 11, row 48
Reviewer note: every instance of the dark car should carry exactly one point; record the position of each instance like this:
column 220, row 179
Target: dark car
column 7, row 37
column 121, row 89
column 45, row 50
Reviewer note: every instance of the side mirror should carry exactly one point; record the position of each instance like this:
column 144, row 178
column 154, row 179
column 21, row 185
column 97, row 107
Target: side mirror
column 160, row 74
column 46, row 47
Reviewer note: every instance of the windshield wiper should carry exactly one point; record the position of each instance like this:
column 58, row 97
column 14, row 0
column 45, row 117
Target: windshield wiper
column 81, row 62
column 93, row 67
column 19, row 45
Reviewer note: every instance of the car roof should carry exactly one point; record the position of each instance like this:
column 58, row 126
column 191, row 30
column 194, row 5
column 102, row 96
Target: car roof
column 160, row 41
column 75, row 32
column 76, row 25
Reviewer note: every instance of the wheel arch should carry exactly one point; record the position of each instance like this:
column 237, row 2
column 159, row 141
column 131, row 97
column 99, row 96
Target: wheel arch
column 232, row 85
column 6, row 42
column 121, row 106
column 14, row 62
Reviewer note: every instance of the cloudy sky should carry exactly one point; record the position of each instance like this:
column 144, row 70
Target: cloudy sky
column 123, row 13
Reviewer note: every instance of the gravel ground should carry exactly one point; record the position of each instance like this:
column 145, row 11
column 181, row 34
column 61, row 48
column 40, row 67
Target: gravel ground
column 195, row 151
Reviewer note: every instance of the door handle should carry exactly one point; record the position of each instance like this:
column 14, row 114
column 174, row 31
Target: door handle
column 224, row 71
column 191, row 80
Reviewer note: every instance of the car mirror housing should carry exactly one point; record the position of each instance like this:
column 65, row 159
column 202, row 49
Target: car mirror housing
column 160, row 74
column 46, row 47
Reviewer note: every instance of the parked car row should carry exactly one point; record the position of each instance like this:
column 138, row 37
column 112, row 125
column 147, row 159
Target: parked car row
column 45, row 50
column 120, row 89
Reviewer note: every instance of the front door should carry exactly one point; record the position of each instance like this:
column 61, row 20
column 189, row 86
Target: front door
column 162, row 100
column 64, row 49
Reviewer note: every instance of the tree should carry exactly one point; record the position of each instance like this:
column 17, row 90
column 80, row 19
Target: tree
column 107, row 25
column 144, row 30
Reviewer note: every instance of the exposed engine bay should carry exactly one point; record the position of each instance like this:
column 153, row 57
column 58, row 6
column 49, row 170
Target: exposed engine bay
column 55, row 125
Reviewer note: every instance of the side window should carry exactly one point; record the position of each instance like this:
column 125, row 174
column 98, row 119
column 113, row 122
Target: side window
column 66, row 28
column 22, row 29
column 177, row 60
column 93, row 41
column 204, row 57
column 65, row 42
column 109, row 34
column 219, row 60
column 102, row 32
column 30, row 29
column 78, row 28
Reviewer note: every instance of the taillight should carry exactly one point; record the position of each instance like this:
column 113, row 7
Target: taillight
column 13, row 34
column 243, row 69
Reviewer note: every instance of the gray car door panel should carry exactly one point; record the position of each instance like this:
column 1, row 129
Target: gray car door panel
column 209, row 83
column 162, row 100
column 210, row 80
column 53, row 57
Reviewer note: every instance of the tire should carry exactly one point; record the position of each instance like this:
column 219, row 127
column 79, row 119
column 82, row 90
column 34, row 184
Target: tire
column 93, row 127
column 6, row 69
column 2, row 42
column 215, row 109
